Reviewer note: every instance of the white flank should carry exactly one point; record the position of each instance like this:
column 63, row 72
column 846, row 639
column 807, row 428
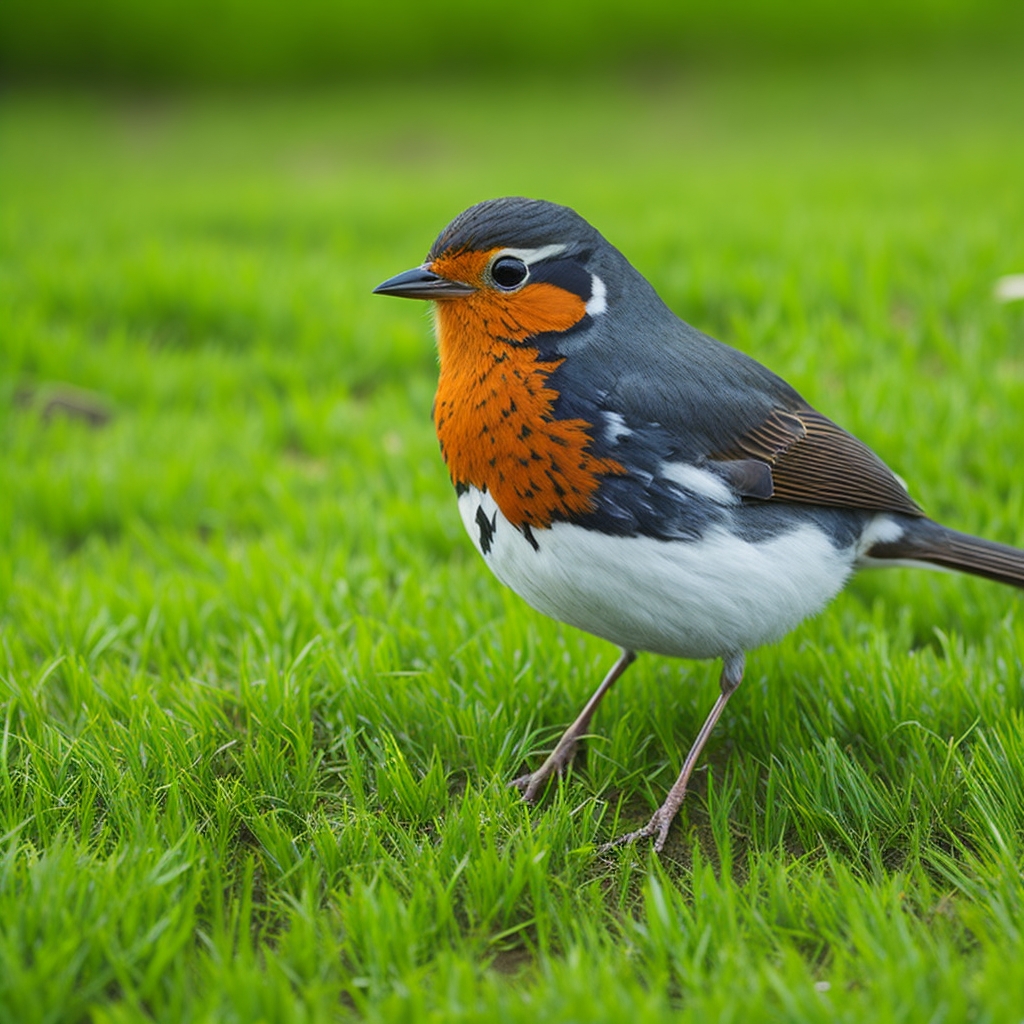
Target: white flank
column 699, row 481
column 598, row 302
column 691, row 599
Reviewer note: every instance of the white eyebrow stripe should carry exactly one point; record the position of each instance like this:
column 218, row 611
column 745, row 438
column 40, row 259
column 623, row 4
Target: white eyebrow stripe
column 531, row 256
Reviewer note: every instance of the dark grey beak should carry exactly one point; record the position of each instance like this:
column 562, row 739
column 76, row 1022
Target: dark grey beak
column 421, row 283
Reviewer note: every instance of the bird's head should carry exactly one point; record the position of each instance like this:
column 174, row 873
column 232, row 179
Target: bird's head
column 512, row 268
column 512, row 280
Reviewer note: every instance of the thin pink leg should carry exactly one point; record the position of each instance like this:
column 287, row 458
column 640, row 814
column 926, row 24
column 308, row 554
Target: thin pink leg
column 562, row 754
column 661, row 821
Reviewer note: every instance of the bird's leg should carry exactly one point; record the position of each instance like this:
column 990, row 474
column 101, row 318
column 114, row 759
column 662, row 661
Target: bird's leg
column 658, row 826
column 531, row 783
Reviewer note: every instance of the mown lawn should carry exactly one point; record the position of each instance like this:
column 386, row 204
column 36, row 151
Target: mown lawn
column 260, row 699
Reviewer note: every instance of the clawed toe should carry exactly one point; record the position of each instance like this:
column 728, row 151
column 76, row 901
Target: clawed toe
column 657, row 828
column 523, row 784
column 531, row 784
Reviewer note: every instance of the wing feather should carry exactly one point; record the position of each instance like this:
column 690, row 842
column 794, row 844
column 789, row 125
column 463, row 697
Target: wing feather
column 813, row 461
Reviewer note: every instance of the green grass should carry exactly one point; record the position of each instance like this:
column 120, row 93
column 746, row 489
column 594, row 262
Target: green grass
column 260, row 699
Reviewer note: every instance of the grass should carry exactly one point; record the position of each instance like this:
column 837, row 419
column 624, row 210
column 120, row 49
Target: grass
column 260, row 700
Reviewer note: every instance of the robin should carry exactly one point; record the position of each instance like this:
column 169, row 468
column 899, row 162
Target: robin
column 628, row 475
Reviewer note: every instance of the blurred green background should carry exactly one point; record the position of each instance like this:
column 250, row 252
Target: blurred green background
column 187, row 43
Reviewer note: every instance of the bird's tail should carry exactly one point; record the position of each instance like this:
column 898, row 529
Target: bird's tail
column 924, row 540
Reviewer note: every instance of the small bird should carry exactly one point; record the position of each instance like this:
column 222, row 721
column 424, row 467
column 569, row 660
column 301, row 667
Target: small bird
column 633, row 477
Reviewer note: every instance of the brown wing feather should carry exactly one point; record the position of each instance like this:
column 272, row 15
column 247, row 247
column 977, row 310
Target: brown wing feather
column 815, row 462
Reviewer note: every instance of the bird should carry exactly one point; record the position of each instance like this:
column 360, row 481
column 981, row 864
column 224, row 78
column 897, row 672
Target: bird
column 631, row 476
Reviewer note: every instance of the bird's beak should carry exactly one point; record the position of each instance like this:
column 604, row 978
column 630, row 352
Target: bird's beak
column 423, row 283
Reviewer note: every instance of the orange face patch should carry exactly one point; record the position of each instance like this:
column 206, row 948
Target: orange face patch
column 494, row 408
column 514, row 316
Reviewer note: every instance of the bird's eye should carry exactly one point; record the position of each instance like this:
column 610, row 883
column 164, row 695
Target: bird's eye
column 509, row 272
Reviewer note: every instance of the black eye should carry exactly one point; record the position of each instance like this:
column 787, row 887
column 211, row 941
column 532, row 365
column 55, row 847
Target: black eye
column 509, row 272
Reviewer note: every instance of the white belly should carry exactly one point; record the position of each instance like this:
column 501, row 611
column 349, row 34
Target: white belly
column 709, row 598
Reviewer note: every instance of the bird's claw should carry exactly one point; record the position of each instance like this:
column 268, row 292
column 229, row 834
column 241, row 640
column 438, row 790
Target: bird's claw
column 531, row 784
column 523, row 785
column 657, row 828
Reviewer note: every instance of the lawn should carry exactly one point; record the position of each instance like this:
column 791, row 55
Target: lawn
column 260, row 699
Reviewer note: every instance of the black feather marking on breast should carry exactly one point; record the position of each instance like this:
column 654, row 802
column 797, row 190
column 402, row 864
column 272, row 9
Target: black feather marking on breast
column 488, row 527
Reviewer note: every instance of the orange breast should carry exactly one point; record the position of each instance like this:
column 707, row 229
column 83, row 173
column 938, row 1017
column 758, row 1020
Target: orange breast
column 494, row 408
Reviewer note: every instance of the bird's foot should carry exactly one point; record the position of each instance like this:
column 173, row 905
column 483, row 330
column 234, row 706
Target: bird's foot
column 656, row 829
column 531, row 784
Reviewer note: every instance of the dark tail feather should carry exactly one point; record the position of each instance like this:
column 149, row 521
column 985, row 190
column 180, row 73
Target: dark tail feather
column 926, row 541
